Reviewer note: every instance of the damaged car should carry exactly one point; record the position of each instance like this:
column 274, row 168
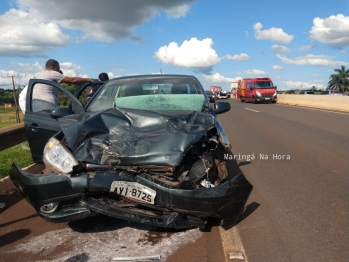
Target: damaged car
column 147, row 149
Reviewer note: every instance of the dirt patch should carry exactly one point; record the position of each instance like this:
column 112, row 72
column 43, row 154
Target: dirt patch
column 152, row 238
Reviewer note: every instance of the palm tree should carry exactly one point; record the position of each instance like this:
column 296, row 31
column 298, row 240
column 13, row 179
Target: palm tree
column 340, row 80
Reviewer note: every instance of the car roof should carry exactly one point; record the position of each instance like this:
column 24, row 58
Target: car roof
column 155, row 76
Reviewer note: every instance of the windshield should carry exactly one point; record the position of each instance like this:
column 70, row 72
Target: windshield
column 151, row 93
column 264, row 84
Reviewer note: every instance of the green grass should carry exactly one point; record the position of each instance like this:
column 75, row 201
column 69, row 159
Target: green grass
column 8, row 116
column 19, row 153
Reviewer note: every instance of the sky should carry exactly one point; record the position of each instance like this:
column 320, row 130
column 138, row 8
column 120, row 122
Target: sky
column 298, row 43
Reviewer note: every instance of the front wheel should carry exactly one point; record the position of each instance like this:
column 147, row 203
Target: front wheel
column 254, row 100
column 274, row 101
column 242, row 100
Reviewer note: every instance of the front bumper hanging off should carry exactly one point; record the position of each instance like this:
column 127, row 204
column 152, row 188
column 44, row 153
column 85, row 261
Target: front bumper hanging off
column 79, row 197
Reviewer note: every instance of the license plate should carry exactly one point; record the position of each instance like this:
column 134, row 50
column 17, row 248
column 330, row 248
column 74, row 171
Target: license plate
column 267, row 98
column 133, row 190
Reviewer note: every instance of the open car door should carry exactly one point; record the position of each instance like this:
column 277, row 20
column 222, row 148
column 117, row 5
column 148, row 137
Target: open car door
column 41, row 117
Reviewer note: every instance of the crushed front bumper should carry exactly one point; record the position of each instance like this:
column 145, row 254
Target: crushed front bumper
column 175, row 208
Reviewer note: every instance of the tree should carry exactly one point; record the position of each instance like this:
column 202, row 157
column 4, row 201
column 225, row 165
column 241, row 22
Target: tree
column 71, row 87
column 340, row 80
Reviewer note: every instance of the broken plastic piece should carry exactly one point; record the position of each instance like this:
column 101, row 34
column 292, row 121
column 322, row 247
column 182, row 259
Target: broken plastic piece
column 138, row 259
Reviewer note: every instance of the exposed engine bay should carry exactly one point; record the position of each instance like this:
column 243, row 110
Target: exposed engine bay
column 203, row 165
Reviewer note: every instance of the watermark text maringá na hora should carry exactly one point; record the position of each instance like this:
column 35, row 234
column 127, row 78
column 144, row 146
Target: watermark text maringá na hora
column 252, row 157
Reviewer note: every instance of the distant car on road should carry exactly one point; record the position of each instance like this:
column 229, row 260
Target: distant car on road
column 222, row 95
column 307, row 93
column 332, row 92
column 211, row 96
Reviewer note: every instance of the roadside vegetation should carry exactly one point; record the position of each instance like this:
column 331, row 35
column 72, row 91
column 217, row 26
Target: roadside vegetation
column 19, row 153
column 340, row 80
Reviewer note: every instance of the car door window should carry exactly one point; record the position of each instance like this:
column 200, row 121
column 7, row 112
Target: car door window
column 87, row 91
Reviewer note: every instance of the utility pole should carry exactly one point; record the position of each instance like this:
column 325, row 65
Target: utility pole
column 15, row 98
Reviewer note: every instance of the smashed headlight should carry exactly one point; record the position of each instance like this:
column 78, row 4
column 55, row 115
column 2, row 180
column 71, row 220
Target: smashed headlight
column 57, row 155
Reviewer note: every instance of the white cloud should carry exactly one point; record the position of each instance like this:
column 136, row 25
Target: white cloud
column 20, row 78
column 29, row 68
column 218, row 78
column 274, row 34
column 24, row 71
column 254, row 72
column 280, row 49
column 37, row 26
column 105, row 20
column 195, row 54
column 302, row 85
column 306, row 47
column 70, row 69
column 237, row 57
column 178, row 11
column 277, row 67
column 318, row 60
column 333, row 30
column 22, row 34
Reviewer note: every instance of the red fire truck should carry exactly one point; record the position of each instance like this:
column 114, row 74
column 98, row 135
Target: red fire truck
column 256, row 90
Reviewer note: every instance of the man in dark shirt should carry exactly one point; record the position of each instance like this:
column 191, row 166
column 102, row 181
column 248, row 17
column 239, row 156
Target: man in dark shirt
column 103, row 77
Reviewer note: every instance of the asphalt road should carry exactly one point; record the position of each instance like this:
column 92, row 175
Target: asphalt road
column 297, row 161
column 298, row 210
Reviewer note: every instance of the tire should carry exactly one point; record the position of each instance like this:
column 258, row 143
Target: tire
column 254, row 100
column 273, row 102
column 242, row 100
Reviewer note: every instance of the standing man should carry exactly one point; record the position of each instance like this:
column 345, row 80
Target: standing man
column 51, row 72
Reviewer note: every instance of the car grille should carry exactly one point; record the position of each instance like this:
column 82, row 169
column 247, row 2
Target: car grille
column 266, row 95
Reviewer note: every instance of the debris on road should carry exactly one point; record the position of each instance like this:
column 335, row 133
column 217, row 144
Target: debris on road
column 137, row 259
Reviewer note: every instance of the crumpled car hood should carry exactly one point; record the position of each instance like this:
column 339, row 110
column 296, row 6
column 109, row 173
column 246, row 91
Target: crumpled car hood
column 134, row 137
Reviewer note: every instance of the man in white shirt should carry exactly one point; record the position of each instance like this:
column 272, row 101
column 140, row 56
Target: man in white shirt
column 46, row 92
column 51, row 72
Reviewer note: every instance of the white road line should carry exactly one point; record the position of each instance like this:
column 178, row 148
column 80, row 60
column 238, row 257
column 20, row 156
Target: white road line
column 252, row 110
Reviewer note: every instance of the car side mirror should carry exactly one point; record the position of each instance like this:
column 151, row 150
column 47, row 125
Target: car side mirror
column 276, row 87
column 60, row 112
column 221, row 107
